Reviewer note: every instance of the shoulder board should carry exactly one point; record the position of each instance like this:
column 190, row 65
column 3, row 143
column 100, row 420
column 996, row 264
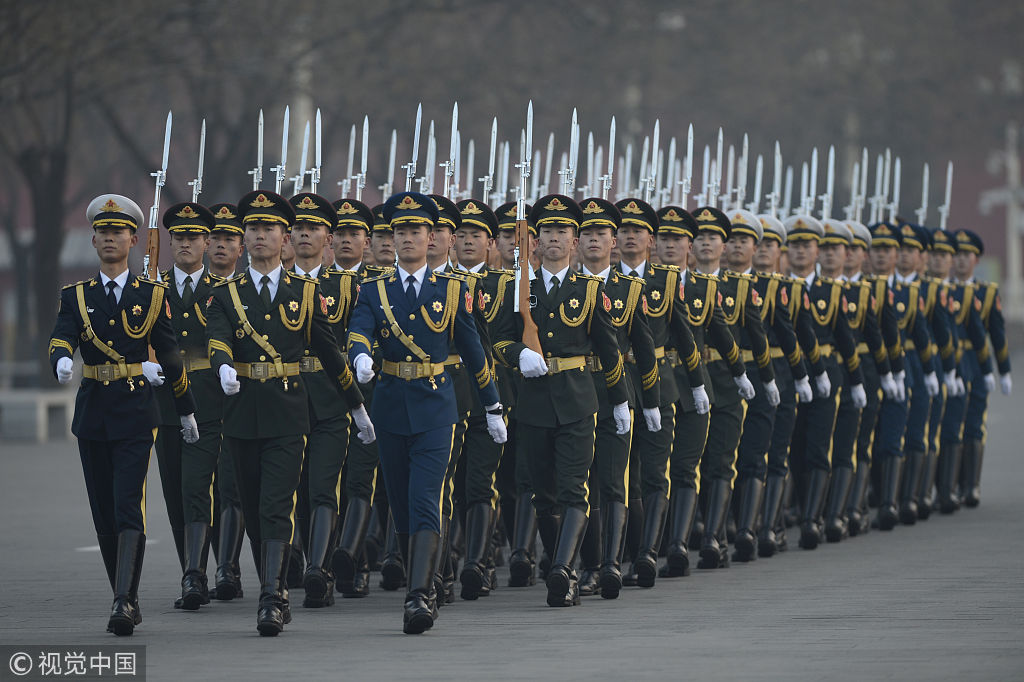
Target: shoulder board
column 233, row 278
column 660, row 266
column 75, row 284
column 631, row 279
column 501, row 271
column 461, row 276
column 700, row 275
column 165, row 275
column 595, row 278
column 155, row 283
column 301, row 278
column 379, row 269
column 214, row 278
column 376, row 278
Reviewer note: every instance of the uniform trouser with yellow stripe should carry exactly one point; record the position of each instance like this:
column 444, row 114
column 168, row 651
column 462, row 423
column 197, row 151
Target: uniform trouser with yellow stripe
column 869, row 415
column 115, row 478
column 845, row 433
column 359, row 473
column 691, row 434
column 480, row 459
column 560, row 458
column 752, row 457
column 268, row 471
column 326, row 448
column 811, row 447
column 454, row 457
column 227, row 481
column 652, row 451
column 414, row 471
column 724, row 431
column 168, row 445
column 198, row 471
column 610, row 468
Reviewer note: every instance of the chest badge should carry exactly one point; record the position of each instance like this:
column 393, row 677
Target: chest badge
column 330, row 300
column 617, row 303
column 437, row 306
column 656, row 295
column 821, row 304
column 901, row 307
column 698, row 304
column 136, row 309
column 730, row 301
column 574, row 303
column 852, row 307
column 293, row 306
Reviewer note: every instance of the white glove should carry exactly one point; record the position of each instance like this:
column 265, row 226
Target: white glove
column 803, row 389
column 990, row 382
column 189, row 428
column 652, row 415
column 901, row 386
column 151, row 370
column 888, row 382
column 531, row 364
column 859, row 397
column 931, row 382
column 701, row 400
column 949, row 379
column 772, row 392
column 621, row 415
column 1007, row 383
column 363, row 423
column 364, row 368
column 229, row 379
column 746, row 389
column 65, row 370
column 496, row 424
column 960, row 388
column 823, row 385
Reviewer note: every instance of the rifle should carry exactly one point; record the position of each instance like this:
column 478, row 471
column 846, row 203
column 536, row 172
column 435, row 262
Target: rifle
column 279, row 169
column 521, row 301
column 151, row 261
column 197, row 183
column 257, row 172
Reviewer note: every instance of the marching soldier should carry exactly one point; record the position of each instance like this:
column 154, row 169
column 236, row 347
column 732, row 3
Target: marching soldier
column 792, row 302
column 651, row 449
column 610, row 469
column 259, row 325
column 969, row 249
column 697, row 296
column 224, row 252
column 482, row 456
column 382, row 239
column 412, row 314
column 811, row 451
column 359, row 476
column 833, row 256
column 557, row 404
column 328, row 433
column 741, row 308
column 187, row 471
column 113, row 318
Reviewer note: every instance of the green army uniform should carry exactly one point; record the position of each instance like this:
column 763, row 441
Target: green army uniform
column 266, row 422
column 557, row 411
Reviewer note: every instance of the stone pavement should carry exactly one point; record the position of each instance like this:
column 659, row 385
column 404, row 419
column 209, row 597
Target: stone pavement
column 941, row 600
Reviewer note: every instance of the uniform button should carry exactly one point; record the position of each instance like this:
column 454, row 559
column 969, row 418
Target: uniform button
column 550, row 334
column 411, row 337
column 265, row 336
column 185, row 315
column 183, row 353
column 548, row 354
column 110, row 343
column 267, row 316
column 551, row 314
column 305, row 352
column 184, row 332
column 412, row 316
column 408, row 358
column 263, row 358
column 106, row 383
column 110, row 322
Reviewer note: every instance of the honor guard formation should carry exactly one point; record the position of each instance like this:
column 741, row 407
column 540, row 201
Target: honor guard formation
column 422, row 388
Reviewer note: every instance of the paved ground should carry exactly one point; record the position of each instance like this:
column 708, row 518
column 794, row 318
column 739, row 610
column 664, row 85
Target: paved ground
column 942, row 600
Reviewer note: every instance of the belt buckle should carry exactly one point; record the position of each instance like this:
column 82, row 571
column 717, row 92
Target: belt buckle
column 259, row 370
column 553, row 365
column 406, row 370
column 106, row 372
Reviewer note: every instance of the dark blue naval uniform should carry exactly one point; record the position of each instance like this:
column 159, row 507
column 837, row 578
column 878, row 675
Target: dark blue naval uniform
column 990, row 308
column 414, row 409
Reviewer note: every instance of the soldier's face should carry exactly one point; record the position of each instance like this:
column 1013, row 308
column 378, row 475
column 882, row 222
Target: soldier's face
column 708, row 247
column 412, row 242
column 766, row 255
column 909, row 259
column 673, row 249
column 187, row 249
column 832, row 257
column 382, row 246
column 112, row 244
column 855, row 256
column 739, row 251
column 595, row 244
column 964, row 264
column 506, row 243
column 225, row 249
column 440, row 245
column 309, row 239
column 939, row 263
column 264, row 241
column 883, row 258
column 557, row 242
column 633, row 241
column 803, row 254
column 348, row 244
column 471, row 244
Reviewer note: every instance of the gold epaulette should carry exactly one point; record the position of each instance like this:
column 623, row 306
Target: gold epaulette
column 461, row 276
column 639, row 280
column 301, row 278
column 593, row 277
column 383, row 275
column 152, row 281
column 662, row 266
column 75, row 284
column 701, row 275
column 233, row 278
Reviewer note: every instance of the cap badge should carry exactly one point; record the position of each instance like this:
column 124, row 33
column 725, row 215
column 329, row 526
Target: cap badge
column 261, row 201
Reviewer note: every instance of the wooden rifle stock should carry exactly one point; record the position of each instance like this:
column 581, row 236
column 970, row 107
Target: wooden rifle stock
column 531, row 337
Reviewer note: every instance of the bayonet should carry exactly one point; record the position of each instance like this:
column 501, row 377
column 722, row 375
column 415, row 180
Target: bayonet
column 506, row 149
column 574, row 153
column 257, row 172
column 655, row 168
column 279, row 170
column 197, row 183
column 688, row 173
column 922, row 213
column 877, row 199
column 642, row 177
column 805, row 205
column 627, row 173
column 716, row 172
column 944, row 209
column 151, row 260
column 534, row 176
column 755, row 201
column 730, row 178
column 830, row 183
column 457, row 173
column 410, row 168
column 548, row 160
column 885, row 185
column 314, row 172
column 671, row 174
column 387, row 188
column 361, row 178
column 590, row 164
column 453, row 152
column 788, row 192
column 705, row 177
column 299, row 178
column 813, row 182
column 851, row 210
column 894, row 207
column 488, row 179
column 598, row 164
column 606, row 180
column 470, row 167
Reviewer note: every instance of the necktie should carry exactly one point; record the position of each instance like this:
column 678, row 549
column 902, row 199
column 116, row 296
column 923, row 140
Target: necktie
column 111, row 298
column 265, row 291
column 187, row 292
column 554, row 287
column 410, row 289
